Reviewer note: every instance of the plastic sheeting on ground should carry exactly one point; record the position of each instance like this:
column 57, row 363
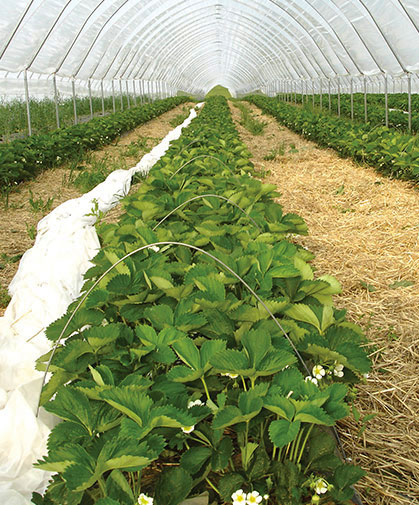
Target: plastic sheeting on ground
column 49, row 278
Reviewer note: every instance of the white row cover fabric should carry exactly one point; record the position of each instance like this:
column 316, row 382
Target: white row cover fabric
column 195, row 44
column 49, row 278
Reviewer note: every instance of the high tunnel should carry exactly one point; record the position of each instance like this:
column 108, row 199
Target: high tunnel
column 190, row 45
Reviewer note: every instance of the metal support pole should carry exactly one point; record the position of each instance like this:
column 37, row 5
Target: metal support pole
column 338, row 83
column 328, row 90
column 312, row 89
column 386, row 99
column 103, row 98
column 321, row 94
column 409, row 101
column 365, row 100
column 28, row 108
column 120, row 94
column 128, row 101
column 89, row 86
column 113, row 97
column 57, row 112
column 352, row 98
column 302, row 92
column 73, row 87
column 140, row 91
column 135, row 93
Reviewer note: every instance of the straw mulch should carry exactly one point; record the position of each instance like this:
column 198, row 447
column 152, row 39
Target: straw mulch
column 19, row 220
column 364, row 230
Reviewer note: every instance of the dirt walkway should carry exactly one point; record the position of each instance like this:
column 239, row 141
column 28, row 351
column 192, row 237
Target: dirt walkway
column 38, row 197
column 364, row 230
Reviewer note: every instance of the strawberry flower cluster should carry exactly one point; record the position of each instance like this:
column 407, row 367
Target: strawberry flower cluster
column 143, row 499
column 319, row 372
column 239, row 497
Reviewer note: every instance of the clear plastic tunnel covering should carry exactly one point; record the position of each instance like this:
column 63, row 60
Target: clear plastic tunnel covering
column 193, row 45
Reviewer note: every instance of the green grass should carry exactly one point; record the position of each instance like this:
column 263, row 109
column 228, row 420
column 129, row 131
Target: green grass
column 253, row 125
column 90, row 177
column 275, row 152
column 219, row 90
column 179, row 118
column 4, row 297
column 133, row 149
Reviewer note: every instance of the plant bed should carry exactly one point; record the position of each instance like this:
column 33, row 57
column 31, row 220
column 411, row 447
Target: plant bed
column 203, row 356
column 392, row 153
column 24, row 159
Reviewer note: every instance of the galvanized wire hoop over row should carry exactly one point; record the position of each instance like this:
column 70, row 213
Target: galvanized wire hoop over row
column 204, row 196
column 195, row 158
column 169, row 243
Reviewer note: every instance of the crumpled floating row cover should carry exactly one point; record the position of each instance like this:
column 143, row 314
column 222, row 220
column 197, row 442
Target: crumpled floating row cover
column 193, row 45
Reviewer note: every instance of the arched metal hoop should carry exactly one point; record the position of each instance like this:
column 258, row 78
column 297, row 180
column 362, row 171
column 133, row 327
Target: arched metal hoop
column 196, row 157
column 204, row 196
column 157, row 244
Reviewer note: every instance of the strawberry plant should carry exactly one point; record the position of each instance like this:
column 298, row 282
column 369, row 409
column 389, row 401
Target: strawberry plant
column 390, row 152
column 397, row 113
column 203, row 355
column 23, row 159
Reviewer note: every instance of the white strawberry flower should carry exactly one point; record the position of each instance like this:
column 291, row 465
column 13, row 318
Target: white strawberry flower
column 311, row 379
column 231, row 375
column 195, row 403
column 266, row 497
column 145, row 500
column 318, row 372
column 239, row 497
column 188, row 429
column 253, row 498
column 320, row 486
column 338, row 370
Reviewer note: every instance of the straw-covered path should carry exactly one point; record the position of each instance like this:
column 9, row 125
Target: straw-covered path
column 364, row 230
